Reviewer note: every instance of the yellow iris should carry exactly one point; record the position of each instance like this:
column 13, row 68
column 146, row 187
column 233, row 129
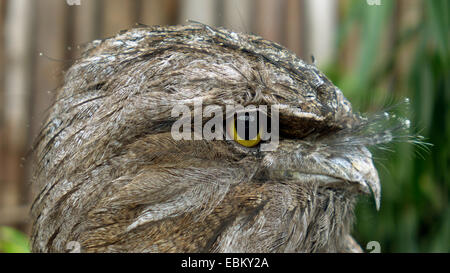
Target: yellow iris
column 244, row 142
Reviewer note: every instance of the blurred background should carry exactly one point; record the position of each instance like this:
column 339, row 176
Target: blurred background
column 376, row 51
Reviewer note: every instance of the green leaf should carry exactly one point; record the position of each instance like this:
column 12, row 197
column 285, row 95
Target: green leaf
column 13, row 241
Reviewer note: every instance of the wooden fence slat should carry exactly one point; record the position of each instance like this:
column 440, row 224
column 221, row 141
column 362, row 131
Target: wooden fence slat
column 85, row 25
column 238, row 15
column 268, row 21
column 153, row 12
column 295, row 29
column 114, row 21
column 12, row 216
column 18, row 27
column 156, row 12
column 199, row 10
column 2, row 103
column 322, row 18
column 50, row 39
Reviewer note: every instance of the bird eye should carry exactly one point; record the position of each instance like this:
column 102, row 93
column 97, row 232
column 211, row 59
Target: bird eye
column 245, row 129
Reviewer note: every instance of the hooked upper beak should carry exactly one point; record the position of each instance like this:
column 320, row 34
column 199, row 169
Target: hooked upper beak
column 368, row 179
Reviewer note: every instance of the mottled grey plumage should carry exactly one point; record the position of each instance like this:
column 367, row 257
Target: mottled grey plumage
column 111, row 177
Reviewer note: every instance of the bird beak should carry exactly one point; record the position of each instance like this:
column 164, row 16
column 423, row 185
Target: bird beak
column 354, row 167
column 363, row 171
column 375, row 189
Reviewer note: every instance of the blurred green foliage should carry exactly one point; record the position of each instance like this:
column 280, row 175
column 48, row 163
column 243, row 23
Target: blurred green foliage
column 415, row 208
column 13, row 241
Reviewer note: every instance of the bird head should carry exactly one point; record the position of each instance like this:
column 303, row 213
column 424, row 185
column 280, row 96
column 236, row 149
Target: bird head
column 112, row 176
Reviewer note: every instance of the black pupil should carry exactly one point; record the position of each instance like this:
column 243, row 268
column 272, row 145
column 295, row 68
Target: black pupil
column 247, row 124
